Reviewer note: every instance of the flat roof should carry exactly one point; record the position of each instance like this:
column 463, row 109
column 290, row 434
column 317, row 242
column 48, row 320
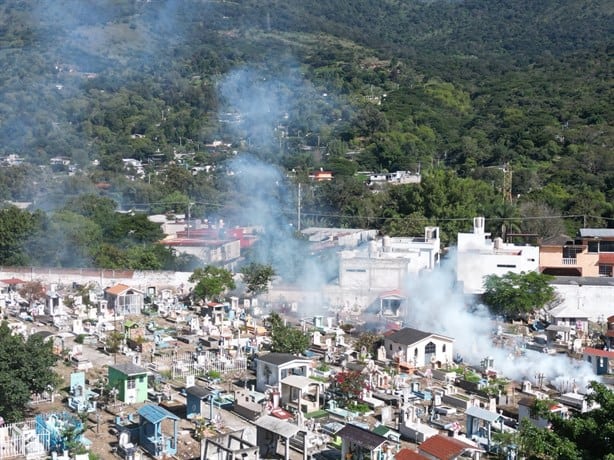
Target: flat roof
column 483, row 414
column 298, row 381
column 277, row 426
column 155, row 414
column 129, row 369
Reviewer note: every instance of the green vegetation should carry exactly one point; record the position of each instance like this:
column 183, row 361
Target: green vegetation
column 26, row 367
column 214, row 375
column 583, row 436
column 210, row 282
column 515, row 295
column 347, row 387
column 456, row 90
column 287, row 339
column 257, row 277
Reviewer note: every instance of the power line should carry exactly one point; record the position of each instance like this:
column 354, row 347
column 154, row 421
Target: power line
column 302, row 213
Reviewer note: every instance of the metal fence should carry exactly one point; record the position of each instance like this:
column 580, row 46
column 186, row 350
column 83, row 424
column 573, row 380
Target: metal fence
column 186, row 364
column 23, row 440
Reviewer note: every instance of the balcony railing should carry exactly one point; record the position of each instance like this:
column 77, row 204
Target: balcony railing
column 569, row 261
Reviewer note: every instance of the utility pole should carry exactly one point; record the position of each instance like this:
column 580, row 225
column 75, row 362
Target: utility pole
column 189, row 217
column 507, row 182
column 299, row 208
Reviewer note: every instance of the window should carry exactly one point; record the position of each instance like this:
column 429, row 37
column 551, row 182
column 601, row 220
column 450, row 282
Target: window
column 506, row 266
column 443, row 348
column 605, row 270
column 593, row 246
column 430, row 348
column 606, row 246
column 569, row 252
column 131, row 384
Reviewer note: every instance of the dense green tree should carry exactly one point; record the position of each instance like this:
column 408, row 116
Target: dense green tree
column 286, row 338
column 98, row 208
column 257, row 277
column 591, row 432
column 542, row 444
column 26, row 367
column 74, row 237
column 518, row 294
column 16, row 227
column 368, row 341
column 210, row 282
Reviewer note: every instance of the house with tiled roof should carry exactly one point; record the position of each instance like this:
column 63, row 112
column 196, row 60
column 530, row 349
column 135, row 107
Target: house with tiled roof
column 441, row 447
column 601, row 361
column 408, row 454
column 124, row 300
column 411, row 348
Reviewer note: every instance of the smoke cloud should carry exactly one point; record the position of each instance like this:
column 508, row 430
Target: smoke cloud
column 437, row 305
column 260, row 108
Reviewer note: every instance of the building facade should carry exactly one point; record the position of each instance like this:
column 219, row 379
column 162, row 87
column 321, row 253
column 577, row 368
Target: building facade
column 590, row 254
column 412, row 348
column 477, row 256
column 384, row 264
column 130, row 381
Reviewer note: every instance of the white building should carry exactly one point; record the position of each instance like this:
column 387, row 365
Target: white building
column 383, row 265
column 413, row 348
column 588, row 297
column 479, row 256
column 272, row 368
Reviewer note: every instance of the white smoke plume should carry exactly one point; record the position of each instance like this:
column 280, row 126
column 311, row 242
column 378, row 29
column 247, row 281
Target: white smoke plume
column 437, row 305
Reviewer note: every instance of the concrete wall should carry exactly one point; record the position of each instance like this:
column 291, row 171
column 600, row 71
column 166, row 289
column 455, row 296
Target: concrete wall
column 139, row 279
column 597, row 301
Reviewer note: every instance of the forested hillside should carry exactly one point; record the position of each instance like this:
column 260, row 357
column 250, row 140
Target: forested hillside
column 459, row 90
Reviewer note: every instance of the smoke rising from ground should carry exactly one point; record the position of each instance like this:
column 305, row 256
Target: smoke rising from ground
column 437, row 305
column 259, row 108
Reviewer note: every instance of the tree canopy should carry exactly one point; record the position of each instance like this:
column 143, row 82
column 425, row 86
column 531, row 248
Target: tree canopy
column 585, row 436
column 211, row 282
column 518, row 294
column 26, row 367
column 457, row 91
column 286, row 338
column 257, row 277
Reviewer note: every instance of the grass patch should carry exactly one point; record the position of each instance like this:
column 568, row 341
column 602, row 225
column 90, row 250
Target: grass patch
column 316, row 414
